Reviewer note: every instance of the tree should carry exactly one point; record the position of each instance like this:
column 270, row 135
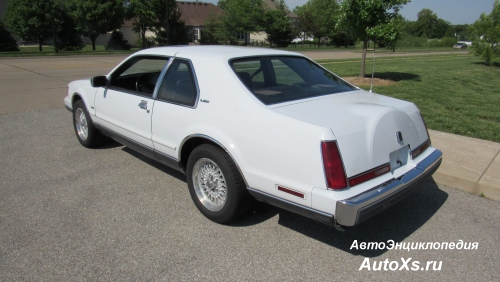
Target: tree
column 426, row 23
column 178, row 33
column 318, row 18
column 371, row 19
column 68, row 36
column 278, row 27
column 144, row 15
column 486, row 34
column 342, row 38
column 117, row 42
column 241, row 17
column 30, row 19
column 97, row 17
column 7, row 42
column 150, row 15
column 214, row 33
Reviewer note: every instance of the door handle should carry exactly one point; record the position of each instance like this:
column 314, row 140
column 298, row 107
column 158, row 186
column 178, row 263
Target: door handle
column 143, row 105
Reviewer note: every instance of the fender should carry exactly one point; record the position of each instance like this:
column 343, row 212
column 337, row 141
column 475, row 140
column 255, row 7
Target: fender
column 198, row 135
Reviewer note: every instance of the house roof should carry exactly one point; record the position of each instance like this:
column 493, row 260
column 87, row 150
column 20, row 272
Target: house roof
column 197, row 13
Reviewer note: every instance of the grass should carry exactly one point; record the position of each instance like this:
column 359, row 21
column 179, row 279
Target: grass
column 456, row 93
column 48, row 50
column 32, row 51
column 358, row 49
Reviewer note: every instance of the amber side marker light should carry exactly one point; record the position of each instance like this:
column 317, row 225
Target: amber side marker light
column 334, row 168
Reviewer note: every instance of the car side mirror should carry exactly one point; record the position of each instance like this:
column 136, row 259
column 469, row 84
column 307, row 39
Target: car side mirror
column 99, row 81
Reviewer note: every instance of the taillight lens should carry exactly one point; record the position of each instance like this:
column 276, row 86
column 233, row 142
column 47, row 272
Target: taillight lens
column 383, row 169
column 426, row 129
column 334, row 169
column 415, row 153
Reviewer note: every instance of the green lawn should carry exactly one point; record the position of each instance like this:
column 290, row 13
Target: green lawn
column 87, row 50
column 455, row 93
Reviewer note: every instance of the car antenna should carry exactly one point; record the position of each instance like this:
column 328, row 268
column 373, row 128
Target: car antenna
column 373, row 68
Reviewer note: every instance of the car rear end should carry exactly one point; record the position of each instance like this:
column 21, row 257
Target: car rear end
column 374, row 149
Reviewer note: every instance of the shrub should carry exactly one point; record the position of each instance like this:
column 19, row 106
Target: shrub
column 117, row 42
column 150, row 42
column 7, row 42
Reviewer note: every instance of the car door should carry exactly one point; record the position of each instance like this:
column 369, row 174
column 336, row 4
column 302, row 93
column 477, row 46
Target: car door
column 124, row 108
column 174, row 108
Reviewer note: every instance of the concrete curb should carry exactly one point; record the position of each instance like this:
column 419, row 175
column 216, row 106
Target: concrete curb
column 469, row 164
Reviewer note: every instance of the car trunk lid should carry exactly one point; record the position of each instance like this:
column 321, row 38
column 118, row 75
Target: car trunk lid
column 371, row 130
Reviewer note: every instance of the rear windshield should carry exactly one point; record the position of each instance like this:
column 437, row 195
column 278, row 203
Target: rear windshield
column 280, row 79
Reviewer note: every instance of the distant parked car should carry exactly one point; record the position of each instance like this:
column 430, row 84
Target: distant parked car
column 264, row 124
column 460, row 46
column 300, row 40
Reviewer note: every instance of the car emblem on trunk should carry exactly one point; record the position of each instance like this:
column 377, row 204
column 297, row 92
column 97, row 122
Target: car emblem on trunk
column 399, row 135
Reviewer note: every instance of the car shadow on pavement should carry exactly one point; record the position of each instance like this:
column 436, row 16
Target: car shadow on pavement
column 170, row 171
column 108, row 144
column 395, row 76
column 258, row 213
column 395, row 223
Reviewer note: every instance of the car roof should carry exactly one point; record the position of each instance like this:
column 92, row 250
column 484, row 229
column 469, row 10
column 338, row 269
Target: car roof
column 214, row 51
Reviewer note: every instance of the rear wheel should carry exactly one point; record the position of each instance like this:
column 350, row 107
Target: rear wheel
column 215, row 184
column 87, row 134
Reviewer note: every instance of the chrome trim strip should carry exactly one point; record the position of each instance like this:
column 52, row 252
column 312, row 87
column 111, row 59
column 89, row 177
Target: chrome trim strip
column 349, row 211
column 171, row 147
column 216, row 142
column 166, row 156
column 162, row 75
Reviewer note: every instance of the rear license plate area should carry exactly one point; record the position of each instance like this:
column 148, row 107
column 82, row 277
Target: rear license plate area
column 398, row 160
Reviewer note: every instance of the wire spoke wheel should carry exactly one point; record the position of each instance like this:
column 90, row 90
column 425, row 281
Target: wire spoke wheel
column 209, row 184
column 216, row 185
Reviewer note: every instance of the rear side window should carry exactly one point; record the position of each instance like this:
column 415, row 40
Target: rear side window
column 280, row 79
column 178, row 85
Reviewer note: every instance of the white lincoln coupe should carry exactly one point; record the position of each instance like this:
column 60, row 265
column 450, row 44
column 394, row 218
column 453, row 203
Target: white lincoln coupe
column 247, row 123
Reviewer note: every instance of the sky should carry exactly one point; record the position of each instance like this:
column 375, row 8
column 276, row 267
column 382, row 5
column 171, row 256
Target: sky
column 453, row 11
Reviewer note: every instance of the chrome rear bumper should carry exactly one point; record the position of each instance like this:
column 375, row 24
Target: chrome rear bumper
column 356, row 209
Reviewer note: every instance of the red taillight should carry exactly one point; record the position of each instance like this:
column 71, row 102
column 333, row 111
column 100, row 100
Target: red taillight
column 334, row 169
column 369, row 175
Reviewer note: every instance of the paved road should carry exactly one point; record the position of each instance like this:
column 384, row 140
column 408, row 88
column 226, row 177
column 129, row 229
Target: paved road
column 69, row 213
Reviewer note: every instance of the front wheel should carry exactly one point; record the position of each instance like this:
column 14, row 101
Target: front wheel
column 215, row 184
column 87, row 134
